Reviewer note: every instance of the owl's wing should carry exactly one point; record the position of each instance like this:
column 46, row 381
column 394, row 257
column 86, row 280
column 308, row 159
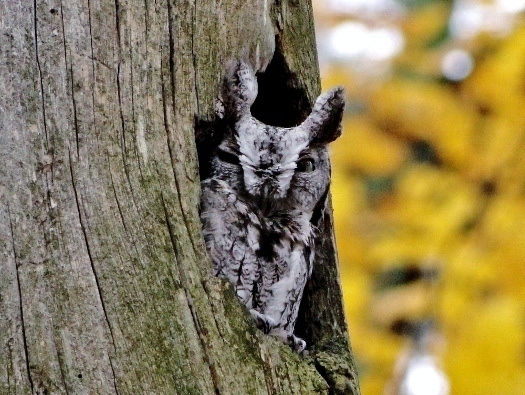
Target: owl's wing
column 231, row 231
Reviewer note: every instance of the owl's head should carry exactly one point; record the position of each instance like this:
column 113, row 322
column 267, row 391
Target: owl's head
column 278, row 169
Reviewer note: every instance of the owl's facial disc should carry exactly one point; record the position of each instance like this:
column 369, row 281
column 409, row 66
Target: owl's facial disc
column 268, row 156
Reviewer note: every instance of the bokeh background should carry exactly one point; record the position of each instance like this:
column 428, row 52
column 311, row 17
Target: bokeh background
column 428, row 190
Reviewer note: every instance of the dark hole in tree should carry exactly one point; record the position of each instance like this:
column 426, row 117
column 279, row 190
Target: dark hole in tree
column 281, row 100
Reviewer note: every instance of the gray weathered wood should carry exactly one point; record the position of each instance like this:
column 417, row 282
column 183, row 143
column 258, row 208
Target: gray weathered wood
column 104, row 285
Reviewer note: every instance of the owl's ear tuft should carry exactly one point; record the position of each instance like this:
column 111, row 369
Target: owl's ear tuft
column 239, row 90
column 324, row 123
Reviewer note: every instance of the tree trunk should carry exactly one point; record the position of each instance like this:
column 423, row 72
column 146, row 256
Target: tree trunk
column 104, row 285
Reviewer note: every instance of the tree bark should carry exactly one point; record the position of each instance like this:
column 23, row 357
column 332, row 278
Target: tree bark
column 105, row 285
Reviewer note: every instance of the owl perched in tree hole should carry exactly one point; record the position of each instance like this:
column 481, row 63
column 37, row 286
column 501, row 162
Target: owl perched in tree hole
column 263, row 200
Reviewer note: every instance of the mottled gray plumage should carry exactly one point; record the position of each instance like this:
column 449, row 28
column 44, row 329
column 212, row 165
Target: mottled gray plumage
column 257, row 206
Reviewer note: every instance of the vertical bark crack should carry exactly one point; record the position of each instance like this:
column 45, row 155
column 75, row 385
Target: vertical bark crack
column 41, row 81
column 119, row 93
column 133, row 236
column 132, row 88
column 22, row 322
column 121, row 214
column 118, row 205
column 189, row 300
column 194, row 55
column 90, row 22
column 92, row 263
column 69, row 68
column 114, row 377
column 62, row 375
column 206, row 288
column 167, row 129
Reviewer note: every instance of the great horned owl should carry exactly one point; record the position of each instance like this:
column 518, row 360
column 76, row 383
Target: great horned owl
column 258, row 205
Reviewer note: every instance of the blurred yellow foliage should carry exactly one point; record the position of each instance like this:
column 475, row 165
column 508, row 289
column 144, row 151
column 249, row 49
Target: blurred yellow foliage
column 430, row 112
column 484, row 354
column 433, row 173
column 368, row 149
column 497, row 84
column 425, row 24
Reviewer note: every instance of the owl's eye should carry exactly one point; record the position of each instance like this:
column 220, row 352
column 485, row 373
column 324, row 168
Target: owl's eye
column 227, row 157
column 306, row 165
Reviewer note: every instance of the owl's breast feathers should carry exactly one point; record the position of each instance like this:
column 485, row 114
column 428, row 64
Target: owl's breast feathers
column 227, row 211
column 266, row 258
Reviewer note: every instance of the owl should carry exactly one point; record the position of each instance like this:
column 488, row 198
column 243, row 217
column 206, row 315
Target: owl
column 261, row 205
